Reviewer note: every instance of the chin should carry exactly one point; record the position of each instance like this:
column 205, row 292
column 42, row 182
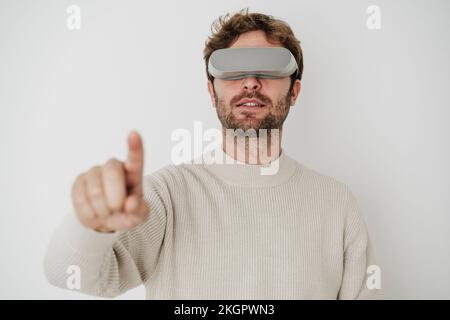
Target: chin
column 251, row 124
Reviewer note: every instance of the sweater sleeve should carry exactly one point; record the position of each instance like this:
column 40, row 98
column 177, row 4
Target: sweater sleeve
column 361, row 277
column 109, row 264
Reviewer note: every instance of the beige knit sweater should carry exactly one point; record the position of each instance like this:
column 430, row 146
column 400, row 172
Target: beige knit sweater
column 222, row 231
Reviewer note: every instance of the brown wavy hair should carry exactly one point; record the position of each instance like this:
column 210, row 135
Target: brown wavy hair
column 226, row 29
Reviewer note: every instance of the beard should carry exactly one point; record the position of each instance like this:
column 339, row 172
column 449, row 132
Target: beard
column 273, row 120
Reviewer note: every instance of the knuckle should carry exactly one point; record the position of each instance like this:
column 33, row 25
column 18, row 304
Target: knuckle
column 78, row 199
column 112, row 163
column 95, row 192
column 77, row 195
column 94, row 170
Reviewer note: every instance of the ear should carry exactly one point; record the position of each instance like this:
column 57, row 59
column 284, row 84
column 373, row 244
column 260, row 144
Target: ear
column 295, row 91
column 211, row 93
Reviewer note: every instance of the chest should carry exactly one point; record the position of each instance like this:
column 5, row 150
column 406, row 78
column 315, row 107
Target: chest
column 265, row 244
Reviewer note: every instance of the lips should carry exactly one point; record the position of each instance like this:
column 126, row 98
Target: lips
column 250, row 103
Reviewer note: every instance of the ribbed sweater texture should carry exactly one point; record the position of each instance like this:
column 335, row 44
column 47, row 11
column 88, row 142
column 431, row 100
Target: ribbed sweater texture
column 226, row 231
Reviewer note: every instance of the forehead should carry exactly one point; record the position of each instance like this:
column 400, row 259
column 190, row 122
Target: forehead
column 253, row 39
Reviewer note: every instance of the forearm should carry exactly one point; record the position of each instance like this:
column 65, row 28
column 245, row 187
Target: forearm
column 76, row 251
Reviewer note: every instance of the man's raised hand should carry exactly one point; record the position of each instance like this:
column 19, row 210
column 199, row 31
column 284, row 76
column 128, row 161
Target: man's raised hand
column 109, row 197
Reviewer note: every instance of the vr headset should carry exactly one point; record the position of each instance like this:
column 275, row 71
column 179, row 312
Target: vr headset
column 261, row 62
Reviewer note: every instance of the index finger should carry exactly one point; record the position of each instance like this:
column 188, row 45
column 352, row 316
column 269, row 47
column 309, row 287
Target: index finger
column 134, row 165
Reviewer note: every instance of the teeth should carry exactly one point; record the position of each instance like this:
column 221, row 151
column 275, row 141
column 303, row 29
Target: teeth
column 250, row 104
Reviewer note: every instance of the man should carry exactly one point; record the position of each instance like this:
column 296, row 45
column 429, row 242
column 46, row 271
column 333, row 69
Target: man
column 220, row 230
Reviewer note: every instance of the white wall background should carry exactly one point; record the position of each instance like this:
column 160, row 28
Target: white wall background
column 373, row 113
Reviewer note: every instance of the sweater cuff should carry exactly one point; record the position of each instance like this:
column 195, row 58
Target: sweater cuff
column 84, row 240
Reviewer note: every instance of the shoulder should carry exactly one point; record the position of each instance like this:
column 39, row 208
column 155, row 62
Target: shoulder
column 319, row 182
column 333, row 194
column 338, row 191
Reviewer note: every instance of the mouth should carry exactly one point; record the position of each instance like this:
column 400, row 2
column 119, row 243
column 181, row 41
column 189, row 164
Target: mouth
column 250, row 104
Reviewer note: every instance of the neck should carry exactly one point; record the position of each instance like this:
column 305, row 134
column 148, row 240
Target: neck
column 252, row 148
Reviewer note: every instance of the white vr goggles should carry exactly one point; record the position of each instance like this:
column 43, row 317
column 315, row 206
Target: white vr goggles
column 261, row 62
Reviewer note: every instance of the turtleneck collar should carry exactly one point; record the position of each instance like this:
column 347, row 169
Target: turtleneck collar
column 240, row 173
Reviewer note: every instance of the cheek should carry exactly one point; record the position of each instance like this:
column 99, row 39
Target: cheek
column 226, row 92
column 279, row 91
column 281, row 85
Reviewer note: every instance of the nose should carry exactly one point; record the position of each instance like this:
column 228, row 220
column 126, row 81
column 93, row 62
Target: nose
column 251, row 84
